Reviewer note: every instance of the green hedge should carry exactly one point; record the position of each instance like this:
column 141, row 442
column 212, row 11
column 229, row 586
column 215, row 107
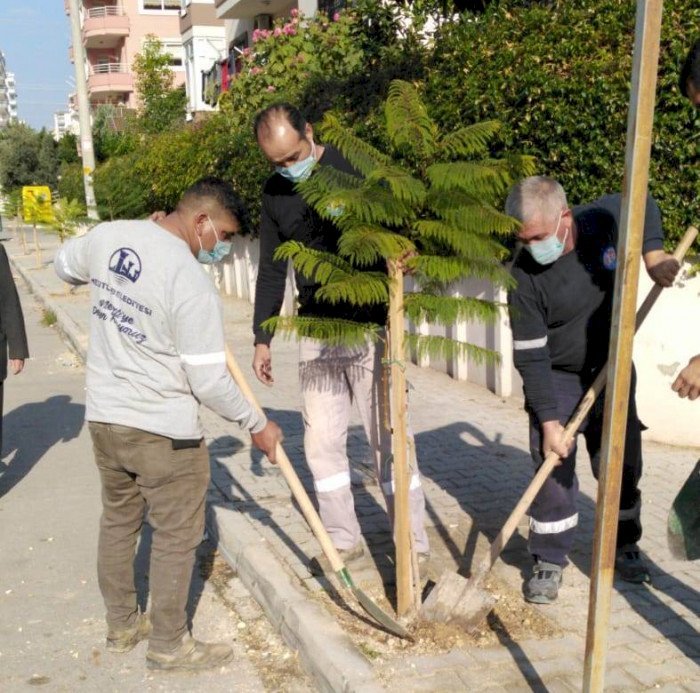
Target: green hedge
column 558, row 77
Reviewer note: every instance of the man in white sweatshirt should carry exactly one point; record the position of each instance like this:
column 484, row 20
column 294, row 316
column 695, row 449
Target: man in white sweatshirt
column 156, row 352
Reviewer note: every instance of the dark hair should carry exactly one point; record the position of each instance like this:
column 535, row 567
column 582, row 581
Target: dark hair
column 291, row 113
column 690, row 72
column 221, row 194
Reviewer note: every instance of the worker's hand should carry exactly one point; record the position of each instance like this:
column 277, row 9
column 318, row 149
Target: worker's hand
column 661, row 267
column 262, row 364
column 267, row 440
column 16, row 366
column 158, row 216
column 553, row 440
column 687, row 384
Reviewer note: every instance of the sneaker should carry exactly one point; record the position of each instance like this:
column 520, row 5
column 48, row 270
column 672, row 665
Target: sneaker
column 630, row 566
column 192, row 655
column 320, row 564
column 122, row 641
column 543, row 586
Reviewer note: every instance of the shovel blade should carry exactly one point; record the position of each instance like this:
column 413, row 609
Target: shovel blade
column 683, row 527
column 366, row 602
column 455, row 600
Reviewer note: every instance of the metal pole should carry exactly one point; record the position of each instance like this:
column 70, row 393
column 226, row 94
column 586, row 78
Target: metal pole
column 88, row 151
column 638, row 150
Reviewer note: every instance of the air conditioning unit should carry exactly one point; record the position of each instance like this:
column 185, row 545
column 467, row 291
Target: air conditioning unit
column 262, row 22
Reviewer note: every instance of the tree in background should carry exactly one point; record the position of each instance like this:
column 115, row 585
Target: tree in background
column 27, row 157
column 67, row 149
column 66, row 217
column 161, row 105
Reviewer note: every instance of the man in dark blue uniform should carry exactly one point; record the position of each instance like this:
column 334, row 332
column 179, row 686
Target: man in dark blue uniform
column 560, row 313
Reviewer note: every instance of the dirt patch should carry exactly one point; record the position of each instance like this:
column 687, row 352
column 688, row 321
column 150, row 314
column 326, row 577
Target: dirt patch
column 276, row 664
column 510, row 620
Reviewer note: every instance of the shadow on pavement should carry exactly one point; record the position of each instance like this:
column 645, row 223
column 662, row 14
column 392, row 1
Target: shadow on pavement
column 494, row 477
column 31, row 430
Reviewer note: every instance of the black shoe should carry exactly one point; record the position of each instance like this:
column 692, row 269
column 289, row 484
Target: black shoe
column 630, row 565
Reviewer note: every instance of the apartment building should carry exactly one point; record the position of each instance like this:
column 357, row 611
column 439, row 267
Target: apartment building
column 67, row 122
column 8, row 95
column 113, row 32
column 204, row 45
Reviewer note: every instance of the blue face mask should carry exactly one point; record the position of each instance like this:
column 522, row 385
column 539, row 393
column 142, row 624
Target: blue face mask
column 220, row 250
column 299, row 170
column 549, row 250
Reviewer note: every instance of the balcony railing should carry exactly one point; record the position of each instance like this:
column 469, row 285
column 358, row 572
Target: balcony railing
column 106, row 11
column 108, row 68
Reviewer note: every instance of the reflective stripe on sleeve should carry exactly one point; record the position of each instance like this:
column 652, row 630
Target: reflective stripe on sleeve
column 522, row 344
column 204, row 359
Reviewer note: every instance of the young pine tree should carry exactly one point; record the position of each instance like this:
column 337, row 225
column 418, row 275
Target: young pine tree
column 431, row 201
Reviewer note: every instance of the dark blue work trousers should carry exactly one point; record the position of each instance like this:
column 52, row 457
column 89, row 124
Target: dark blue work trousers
column 554, row 513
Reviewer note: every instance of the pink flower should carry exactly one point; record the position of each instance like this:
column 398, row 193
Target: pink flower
column 256, row 35
column 277, row 32
column 289, row 30
column 255, row 70
column 271, row 88
column 294, row 12
column 336, row 16
column 246, row 52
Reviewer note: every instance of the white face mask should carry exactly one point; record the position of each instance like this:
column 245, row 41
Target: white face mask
column 548, row 250
column 220, row 250
column 299, row 170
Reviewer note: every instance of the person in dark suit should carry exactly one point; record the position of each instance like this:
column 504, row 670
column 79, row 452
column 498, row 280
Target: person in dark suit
column 13, row 337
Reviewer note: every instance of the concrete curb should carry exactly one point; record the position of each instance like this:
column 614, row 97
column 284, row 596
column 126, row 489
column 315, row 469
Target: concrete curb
column 325, row 650
column 66, row 326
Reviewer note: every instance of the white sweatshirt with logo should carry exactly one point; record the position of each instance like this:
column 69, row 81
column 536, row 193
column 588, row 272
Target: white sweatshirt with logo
column 156, row 335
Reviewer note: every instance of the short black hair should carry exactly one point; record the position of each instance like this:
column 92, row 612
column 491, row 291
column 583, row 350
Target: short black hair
column 690, row 72
column 292, row 114
column 221, row 194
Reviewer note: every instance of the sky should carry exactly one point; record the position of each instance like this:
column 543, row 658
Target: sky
column 34, row 36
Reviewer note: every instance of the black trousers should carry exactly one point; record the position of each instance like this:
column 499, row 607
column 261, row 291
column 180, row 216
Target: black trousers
column 554, row 515
column 2, row 399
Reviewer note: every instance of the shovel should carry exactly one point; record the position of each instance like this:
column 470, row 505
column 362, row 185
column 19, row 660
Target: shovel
column 456, row 599
column 683, row 528
column 307, row 508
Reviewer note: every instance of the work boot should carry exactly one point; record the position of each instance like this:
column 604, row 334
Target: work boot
column 630, row 566
column 543, row 586
column 191, row 655
column 122, row 641
column 320, row 564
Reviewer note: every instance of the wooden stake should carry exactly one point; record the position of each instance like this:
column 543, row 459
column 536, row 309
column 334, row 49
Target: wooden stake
column 37, row 246
column 639, row 131
column 402, row 524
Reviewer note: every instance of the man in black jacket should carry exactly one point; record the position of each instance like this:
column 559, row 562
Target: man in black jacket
column 687, row 384
column 331, row 378
column 13, row 337
column 560, row 313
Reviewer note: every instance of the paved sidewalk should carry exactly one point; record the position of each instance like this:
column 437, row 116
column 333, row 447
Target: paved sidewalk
column 472, row 451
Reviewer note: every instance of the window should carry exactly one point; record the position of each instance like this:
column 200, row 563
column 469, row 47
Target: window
column 161, row 5
column 174, row 48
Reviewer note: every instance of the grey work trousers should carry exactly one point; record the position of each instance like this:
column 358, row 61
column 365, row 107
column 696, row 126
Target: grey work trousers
column 139, row 471
column 332, row 378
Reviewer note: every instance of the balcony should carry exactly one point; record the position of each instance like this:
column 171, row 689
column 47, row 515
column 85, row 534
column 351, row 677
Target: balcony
column 247, row 9
column 105, row 27
column 110, row 80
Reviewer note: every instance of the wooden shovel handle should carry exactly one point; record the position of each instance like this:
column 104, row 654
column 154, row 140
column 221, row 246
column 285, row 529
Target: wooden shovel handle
column 295, row 485
column 572, row 427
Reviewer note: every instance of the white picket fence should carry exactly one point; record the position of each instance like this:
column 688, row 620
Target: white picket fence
column 665, row 343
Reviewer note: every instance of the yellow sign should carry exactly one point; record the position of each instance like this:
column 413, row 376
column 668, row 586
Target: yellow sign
column 36, row 204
